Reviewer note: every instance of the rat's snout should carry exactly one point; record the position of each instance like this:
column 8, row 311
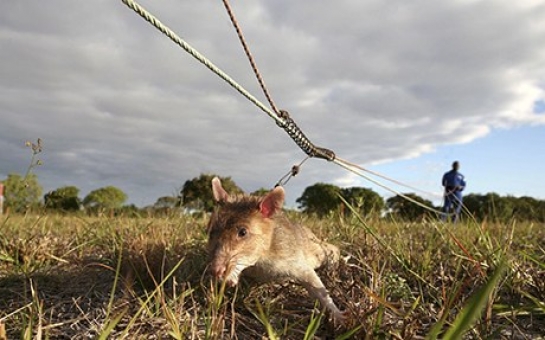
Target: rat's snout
column 218, row 266
column 223, row 272
column 218, row 270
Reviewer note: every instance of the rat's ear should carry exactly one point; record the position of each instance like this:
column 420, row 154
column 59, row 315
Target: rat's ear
column 220, row 195
column 272, row 203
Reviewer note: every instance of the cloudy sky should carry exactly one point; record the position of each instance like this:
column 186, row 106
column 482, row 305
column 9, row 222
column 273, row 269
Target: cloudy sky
column 401, row 88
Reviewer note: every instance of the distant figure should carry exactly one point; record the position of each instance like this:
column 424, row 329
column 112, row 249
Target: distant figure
column 454, row 183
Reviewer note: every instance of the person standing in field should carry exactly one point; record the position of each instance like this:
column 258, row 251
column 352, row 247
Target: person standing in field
column 454, row 183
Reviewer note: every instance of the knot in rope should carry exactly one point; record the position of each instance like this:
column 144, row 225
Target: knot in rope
column 295, row 170
column 292, row 173
column 289, row 125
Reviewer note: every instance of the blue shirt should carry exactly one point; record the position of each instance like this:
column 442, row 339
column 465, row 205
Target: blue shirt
column 453, row 181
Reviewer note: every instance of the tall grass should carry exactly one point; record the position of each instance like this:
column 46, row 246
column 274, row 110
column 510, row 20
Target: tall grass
column 133, row 278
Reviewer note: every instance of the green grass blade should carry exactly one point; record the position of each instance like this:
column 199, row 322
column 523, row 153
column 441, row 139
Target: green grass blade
column 104, row 335
column 472, row 310
column 260, row 315
column 313, row 326
column 114, row 286
column 156, row 291
column 349, row 334
column 402, row 261
column 539, row 305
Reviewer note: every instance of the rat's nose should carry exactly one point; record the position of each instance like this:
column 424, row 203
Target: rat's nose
column 218, row 270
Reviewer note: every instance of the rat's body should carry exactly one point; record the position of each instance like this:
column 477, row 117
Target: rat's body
column 251, row 234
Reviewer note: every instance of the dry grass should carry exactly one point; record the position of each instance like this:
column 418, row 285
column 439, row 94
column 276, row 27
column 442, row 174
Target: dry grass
column 80, row 278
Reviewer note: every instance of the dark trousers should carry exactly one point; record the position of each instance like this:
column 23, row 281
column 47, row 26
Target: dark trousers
column 453, row 201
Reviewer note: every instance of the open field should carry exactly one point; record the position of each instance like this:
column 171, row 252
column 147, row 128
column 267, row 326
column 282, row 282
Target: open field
column 145, row 278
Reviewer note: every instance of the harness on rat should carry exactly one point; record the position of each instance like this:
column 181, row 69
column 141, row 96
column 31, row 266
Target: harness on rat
column 282, row 117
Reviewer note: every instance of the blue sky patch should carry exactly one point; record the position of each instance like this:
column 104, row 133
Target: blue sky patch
column 539, row 106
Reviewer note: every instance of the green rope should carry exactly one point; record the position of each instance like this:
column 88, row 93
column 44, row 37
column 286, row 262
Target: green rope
column 283, row 120
column 180, row 42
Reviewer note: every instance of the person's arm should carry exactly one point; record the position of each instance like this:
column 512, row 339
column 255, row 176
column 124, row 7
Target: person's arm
column 462, row 184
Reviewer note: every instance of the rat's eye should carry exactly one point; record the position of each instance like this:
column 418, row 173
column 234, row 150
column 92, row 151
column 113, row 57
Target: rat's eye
column 242, row 232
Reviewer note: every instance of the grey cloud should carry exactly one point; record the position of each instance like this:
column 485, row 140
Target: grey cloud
column 117, row 103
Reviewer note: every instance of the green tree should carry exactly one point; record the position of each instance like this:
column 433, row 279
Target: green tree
column 320, row 199
column 197, row 193
column 130, row 210
column 364, row 201
column 490, row 206
column 504, row 208
column 526, row 209
column 540, row 211
column 400, row 207
column 166, row 204
column 261, row 192
column 106, row 198
column 63, row 199
column 20, row 193
column 476, row 206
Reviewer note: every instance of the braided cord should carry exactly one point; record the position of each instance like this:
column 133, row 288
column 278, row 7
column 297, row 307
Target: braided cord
column 302, row 141
column 285, row 122
column 193, row 52
column 249, row 55
column 289, row 124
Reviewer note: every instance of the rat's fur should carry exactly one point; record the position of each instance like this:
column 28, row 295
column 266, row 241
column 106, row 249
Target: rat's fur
column 251, row 234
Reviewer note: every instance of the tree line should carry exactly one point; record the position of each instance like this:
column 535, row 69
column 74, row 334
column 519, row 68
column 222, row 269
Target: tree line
column 24, row 194
column 321, row 199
